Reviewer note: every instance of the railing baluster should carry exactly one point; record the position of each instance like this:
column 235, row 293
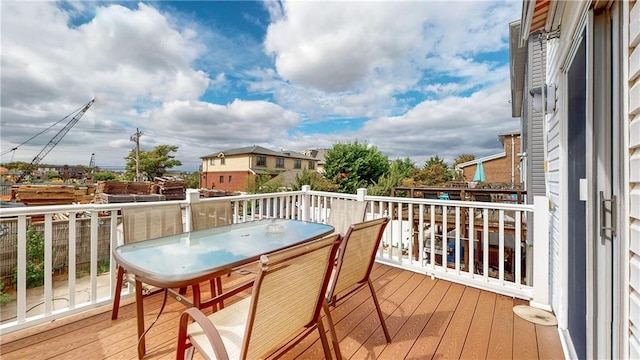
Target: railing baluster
column 71, row 269
column 48, row 264
column 485, row 243
column 517, row 245
column 457, row 244
column 94, row 257
column 471, row 243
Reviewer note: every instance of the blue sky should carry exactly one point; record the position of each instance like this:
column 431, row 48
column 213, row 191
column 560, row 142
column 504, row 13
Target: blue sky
column 415, row 79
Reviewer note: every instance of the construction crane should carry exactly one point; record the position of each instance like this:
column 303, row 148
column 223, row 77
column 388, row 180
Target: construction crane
column 92, row 166
column 54, row 141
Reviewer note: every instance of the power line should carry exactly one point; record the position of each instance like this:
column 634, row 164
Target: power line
column 41, row 132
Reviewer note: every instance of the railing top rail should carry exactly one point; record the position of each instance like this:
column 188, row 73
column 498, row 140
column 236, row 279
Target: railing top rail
column 460, row 203
column 465, row 189
column 7, row 212
column 27, row 210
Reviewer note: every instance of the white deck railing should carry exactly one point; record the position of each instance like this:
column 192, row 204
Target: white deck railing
column 427, row 236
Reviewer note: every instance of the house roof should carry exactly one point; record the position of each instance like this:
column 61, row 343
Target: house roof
column 318, row 154
column 482, row 159
column 288, row 177
column 501, row 136
column 258, row 150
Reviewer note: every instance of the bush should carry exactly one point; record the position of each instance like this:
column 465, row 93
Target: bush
column 35, row 259
column 4, row 297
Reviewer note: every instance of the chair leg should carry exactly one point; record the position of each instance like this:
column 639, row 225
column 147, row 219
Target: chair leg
column 332, row 330
column 323, row 339
column 215, row 291
column 219, row 283
column 375, row 300
column 116, row 295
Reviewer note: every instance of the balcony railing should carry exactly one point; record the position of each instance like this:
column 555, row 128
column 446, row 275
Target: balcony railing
column 499, row 247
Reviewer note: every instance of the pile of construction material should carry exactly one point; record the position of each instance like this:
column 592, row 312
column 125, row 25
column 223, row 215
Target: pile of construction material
column 34, row 195
column 109, row 192
column 173, row 188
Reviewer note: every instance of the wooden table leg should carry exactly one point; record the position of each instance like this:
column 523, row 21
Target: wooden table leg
column 140, row 316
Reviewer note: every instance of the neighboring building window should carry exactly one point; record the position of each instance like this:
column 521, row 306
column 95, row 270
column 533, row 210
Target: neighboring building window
column 312, row 165
column 221, row 179
column 212, row 162
column 261, row 160
column 279, row 162
column 229, row 179
column 222, row 161
column 297, row 164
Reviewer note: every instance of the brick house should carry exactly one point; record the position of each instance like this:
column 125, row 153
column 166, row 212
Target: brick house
column 232, row 170
column 502, row 168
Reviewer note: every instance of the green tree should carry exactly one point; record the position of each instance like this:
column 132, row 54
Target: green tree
column 152, row 163
column 193, row 180
column 462, row 158
column 354, row 165
column 261, row 184
column 434, row 173
column 104, row 176
column 399, row 170
column 313, row 179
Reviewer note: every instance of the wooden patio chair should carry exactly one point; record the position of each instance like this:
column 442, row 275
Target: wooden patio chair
column 144, row 223
column 352, row 270
column 344, row 212
column 284, row 307
column 210, row 214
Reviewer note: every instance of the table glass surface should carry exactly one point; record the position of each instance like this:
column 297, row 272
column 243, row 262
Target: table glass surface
column 188, row 255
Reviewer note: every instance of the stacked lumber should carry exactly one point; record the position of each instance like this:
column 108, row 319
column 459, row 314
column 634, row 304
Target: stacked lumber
column 172, row 187
column 126, row 187
column 103, row 198
column 206, row 193
column 34, row 195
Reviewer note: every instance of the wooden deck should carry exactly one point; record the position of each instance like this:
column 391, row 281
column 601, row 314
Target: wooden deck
column 427, row 319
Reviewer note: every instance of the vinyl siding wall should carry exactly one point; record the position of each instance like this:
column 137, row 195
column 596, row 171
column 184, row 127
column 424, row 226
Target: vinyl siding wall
column 554, row 181
column 535, row 146
column 634, row 178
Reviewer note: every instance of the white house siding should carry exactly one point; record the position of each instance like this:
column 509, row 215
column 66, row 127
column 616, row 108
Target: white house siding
column 536, row 73
column 554, row 180
column 634, row 179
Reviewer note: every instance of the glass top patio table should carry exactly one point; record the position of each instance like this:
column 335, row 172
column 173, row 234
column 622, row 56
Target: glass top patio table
column 183, row 259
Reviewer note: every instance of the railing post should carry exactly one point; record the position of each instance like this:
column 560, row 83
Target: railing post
column 306, row 202
column 541, row 253
column 362, row 193
column 193, row 196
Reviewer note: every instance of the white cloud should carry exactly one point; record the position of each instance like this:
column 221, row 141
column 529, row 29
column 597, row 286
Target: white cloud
column 128, row 59
column 420, row 76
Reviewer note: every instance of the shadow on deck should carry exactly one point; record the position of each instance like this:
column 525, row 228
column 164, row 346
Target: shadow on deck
column 427, row 319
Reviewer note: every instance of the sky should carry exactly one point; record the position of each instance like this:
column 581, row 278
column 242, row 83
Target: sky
column 415, row 79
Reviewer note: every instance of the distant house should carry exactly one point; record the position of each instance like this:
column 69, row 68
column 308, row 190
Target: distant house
column 503, row 168
column 231, row 170
column 317, row 154
column 66, row 172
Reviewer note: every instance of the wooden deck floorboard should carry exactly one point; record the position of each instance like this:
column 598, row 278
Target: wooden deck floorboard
column 426, row 318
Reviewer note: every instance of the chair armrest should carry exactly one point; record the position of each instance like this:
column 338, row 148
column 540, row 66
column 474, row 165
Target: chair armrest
column 209, row 330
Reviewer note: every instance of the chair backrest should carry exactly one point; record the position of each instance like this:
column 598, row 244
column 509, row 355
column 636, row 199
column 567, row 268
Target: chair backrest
column 208, row 214
column 148, row 222
column 344, row 212
column 288, row 294
column 356, row 255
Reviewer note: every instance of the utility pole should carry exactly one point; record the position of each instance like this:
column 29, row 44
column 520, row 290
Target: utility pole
column 136, row 139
